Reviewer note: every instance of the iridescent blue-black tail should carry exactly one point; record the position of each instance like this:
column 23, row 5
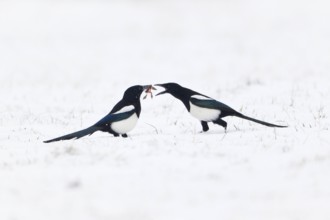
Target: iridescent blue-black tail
column 76, row 135
column 237, row 114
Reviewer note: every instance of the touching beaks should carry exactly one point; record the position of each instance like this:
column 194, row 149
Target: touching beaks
column 148, row 90
column 147, row 87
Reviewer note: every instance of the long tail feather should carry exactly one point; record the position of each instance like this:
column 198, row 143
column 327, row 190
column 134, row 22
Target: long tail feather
column 258, row 121
column 76, row 135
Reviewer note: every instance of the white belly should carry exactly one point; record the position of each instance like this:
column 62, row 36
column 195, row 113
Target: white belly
column 204, row 114
column 124, row 126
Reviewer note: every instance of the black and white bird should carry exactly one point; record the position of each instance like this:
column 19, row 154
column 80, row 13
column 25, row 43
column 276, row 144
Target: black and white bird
column 122, row 118
column 205, row 108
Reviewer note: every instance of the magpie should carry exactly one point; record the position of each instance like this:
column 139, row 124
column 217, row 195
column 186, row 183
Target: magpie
column 121, row 119
column 205, row 108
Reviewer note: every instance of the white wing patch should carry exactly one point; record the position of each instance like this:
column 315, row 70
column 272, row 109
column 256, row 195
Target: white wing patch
column 200, row 97
column 125, row 109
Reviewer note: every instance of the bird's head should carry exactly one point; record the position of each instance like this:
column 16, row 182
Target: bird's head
column 171, row 88
column 134, row 93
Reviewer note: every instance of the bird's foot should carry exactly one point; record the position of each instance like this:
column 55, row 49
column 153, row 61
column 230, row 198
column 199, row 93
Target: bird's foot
column 124, row 135
column 204, row 131
column 222, row 123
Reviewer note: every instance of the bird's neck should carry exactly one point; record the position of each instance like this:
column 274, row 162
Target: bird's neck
column 184, row 95
column 137, row 106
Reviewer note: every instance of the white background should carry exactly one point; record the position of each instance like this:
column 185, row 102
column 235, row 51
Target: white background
column 64, row 65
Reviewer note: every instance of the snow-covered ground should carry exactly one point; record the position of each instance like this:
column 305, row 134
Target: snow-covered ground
column 64, row 64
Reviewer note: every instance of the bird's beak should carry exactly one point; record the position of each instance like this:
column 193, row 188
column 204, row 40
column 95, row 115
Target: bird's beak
column 148, row 90
column 146, row 87
column 163, row 92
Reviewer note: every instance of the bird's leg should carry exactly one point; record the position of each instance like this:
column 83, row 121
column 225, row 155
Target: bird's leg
column 109, row 130
column 124, row 135
column 205, row 126
column 222, row 123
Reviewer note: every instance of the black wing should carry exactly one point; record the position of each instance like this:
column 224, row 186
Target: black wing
column 111, row 118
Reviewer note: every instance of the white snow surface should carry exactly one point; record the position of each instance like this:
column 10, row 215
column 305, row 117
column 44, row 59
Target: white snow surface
column 65, row 64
